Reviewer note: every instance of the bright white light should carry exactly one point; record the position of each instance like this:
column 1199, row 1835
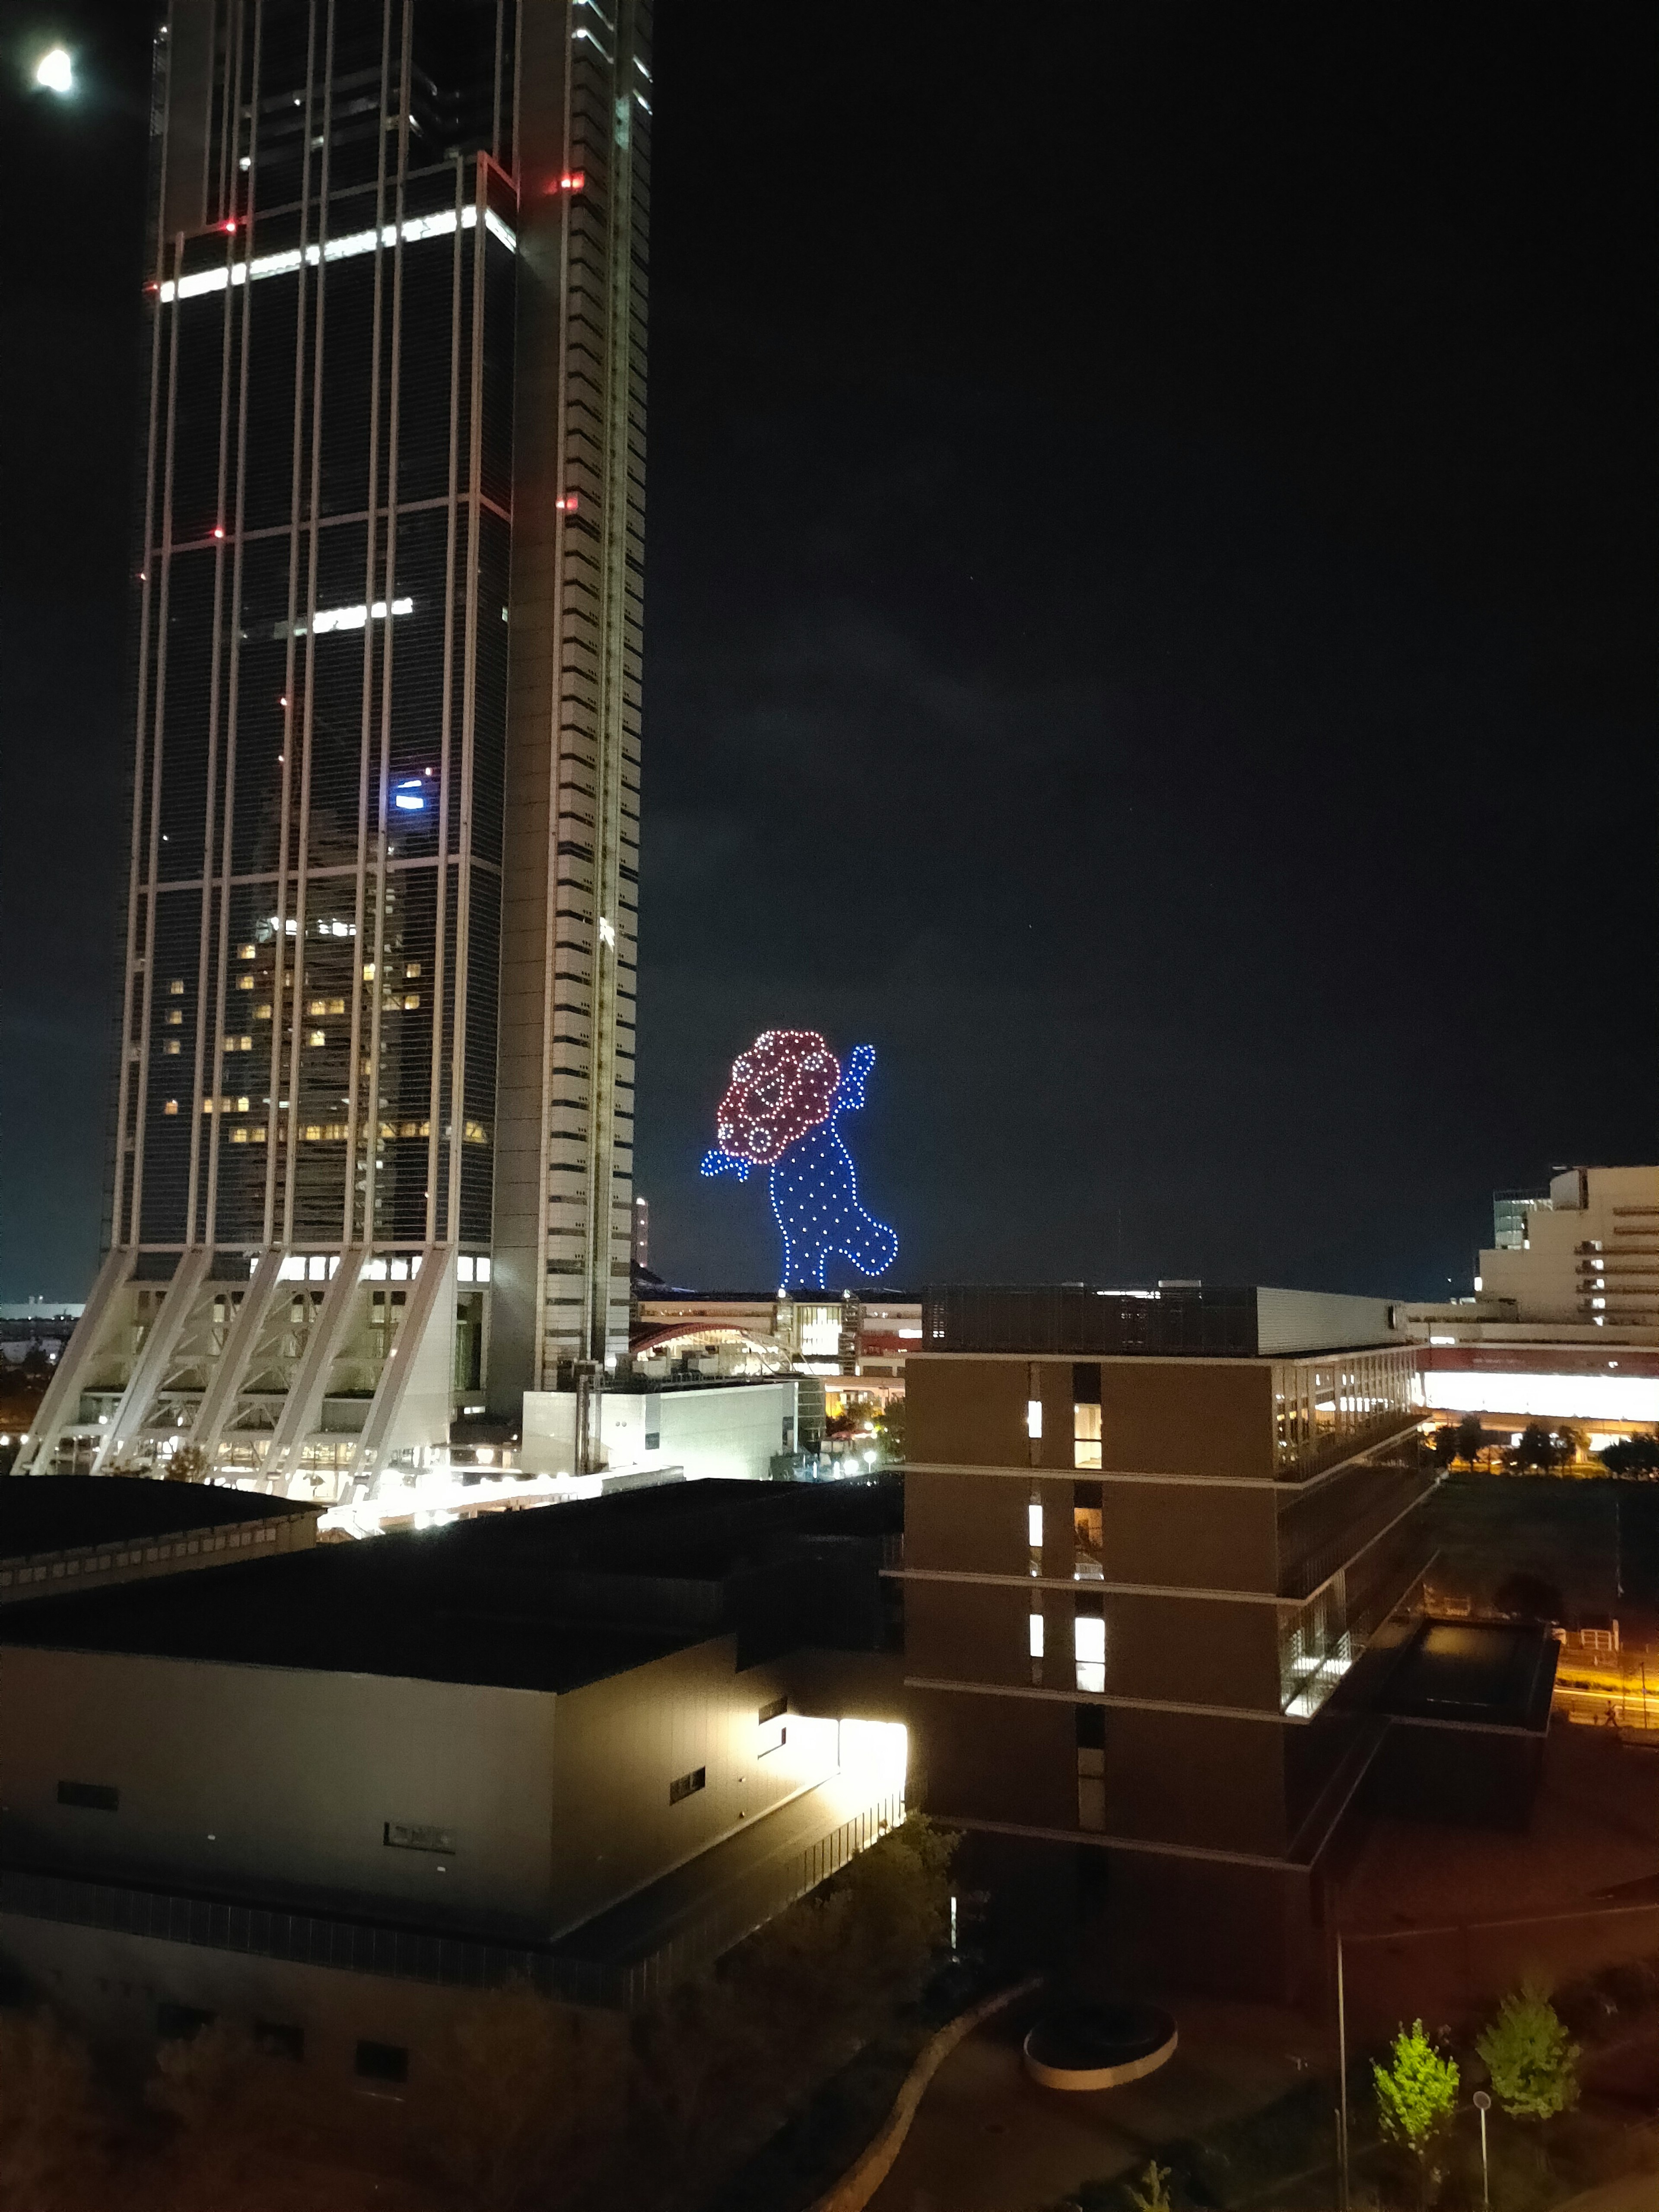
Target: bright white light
column 1034, row 1526
column 55, row 72
column 1546, row 1397
column 1034, row 1417
column 328, row 619
column 346, row 247
column 877, row 1752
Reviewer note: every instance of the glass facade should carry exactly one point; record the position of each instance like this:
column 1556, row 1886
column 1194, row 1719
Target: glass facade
column 380, row 927
column 1325, row 1410
column 311, row 1016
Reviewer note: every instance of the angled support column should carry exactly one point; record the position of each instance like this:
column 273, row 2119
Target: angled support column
column 221, row 1393
column 412, row 1399
column 63, row 1398
column 156, row 1350
column 306, row 1392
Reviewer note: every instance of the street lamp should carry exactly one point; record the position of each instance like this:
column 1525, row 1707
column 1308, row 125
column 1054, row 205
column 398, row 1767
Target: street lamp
column 55, row 72
column 1483, row 2105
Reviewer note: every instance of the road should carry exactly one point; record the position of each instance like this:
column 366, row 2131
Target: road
column 1627, row 1693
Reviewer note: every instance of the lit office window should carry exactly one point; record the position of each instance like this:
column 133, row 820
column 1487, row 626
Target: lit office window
column 1088, row 1532
column 1036, row 1634
column 1085, row 1436
column 1088, row 1647
column 1034, row 1418
column 1034, row 1532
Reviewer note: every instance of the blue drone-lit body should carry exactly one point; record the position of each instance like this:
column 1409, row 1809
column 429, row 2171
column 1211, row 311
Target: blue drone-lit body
column 813, row 1183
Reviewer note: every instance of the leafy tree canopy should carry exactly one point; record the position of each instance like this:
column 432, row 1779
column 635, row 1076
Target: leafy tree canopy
column 1416, row 2091
column 1532, row 2061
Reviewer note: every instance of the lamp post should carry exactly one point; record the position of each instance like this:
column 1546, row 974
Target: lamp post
column 1342, row 2075
column 1483, row 2105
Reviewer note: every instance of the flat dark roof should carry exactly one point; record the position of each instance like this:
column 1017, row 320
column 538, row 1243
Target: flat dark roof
column 1166, row 1320
column 56, row 1512
column 496, row 1600
column 1475, row 1675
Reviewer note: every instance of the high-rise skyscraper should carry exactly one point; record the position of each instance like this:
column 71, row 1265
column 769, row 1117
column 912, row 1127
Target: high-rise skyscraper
column 371, row 1154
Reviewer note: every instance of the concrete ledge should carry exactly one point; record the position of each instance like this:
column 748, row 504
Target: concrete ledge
column 1098, row 2077
column 866, row 2175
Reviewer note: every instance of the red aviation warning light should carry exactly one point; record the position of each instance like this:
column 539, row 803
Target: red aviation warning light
column 572, row 180
column 565, row 503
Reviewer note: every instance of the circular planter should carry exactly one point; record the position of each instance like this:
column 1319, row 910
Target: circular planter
column 1099, row 2046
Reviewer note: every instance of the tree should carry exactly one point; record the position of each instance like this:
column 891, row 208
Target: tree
column 1541, row 1450
column 241, row 2116
column 186, row 1463
column 523, row 2101
column 1532, row 2060
column 1638, row 1455
column 1465, row 1442
column 53, row 2142
column 1529, row 1597
column 1153, row 2194
column 890, row 1430
column 1416, row 2094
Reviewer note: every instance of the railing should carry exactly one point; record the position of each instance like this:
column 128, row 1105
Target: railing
column 412, row 1954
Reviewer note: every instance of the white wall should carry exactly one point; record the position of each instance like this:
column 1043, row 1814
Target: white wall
column 255, row 1775
column 620, row 1743
column 706, row 1430
column 1554, row 1280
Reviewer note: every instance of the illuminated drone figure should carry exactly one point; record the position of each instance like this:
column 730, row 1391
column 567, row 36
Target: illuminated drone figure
column 780, row 1112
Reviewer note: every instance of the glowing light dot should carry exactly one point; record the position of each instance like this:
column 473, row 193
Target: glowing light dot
column 55, row 72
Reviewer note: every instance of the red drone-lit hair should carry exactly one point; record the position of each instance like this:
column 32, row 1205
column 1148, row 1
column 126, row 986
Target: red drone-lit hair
column 780, row 1089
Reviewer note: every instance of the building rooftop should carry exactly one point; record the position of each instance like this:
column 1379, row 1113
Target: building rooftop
column 1164, row 1320
column 1475, row 1675
column 547, row 1601
column 56, row 1513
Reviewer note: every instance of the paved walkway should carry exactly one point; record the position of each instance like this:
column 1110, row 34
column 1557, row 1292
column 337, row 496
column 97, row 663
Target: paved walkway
column 986, row 2138
column 1633, row 2193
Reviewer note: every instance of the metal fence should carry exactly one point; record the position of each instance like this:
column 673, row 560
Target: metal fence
column 411, row 1954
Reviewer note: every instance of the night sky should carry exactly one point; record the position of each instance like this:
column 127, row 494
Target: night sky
column 1150, row 622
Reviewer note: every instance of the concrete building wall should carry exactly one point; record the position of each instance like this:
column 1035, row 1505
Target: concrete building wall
column 1199, row 1417
column 707, row 1431
column 1162, row 1532
column 619, row 1745
column 284, row 1780
column 110, row 1986
column 521, row 1813
column 1592, row 1253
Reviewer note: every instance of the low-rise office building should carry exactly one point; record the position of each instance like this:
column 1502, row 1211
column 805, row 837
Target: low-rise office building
column 1563, row 1326
column 733, row 1428
column 1584, row 1251
column 856, row 1346
column 591, row 1747
column 1162, row 1551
